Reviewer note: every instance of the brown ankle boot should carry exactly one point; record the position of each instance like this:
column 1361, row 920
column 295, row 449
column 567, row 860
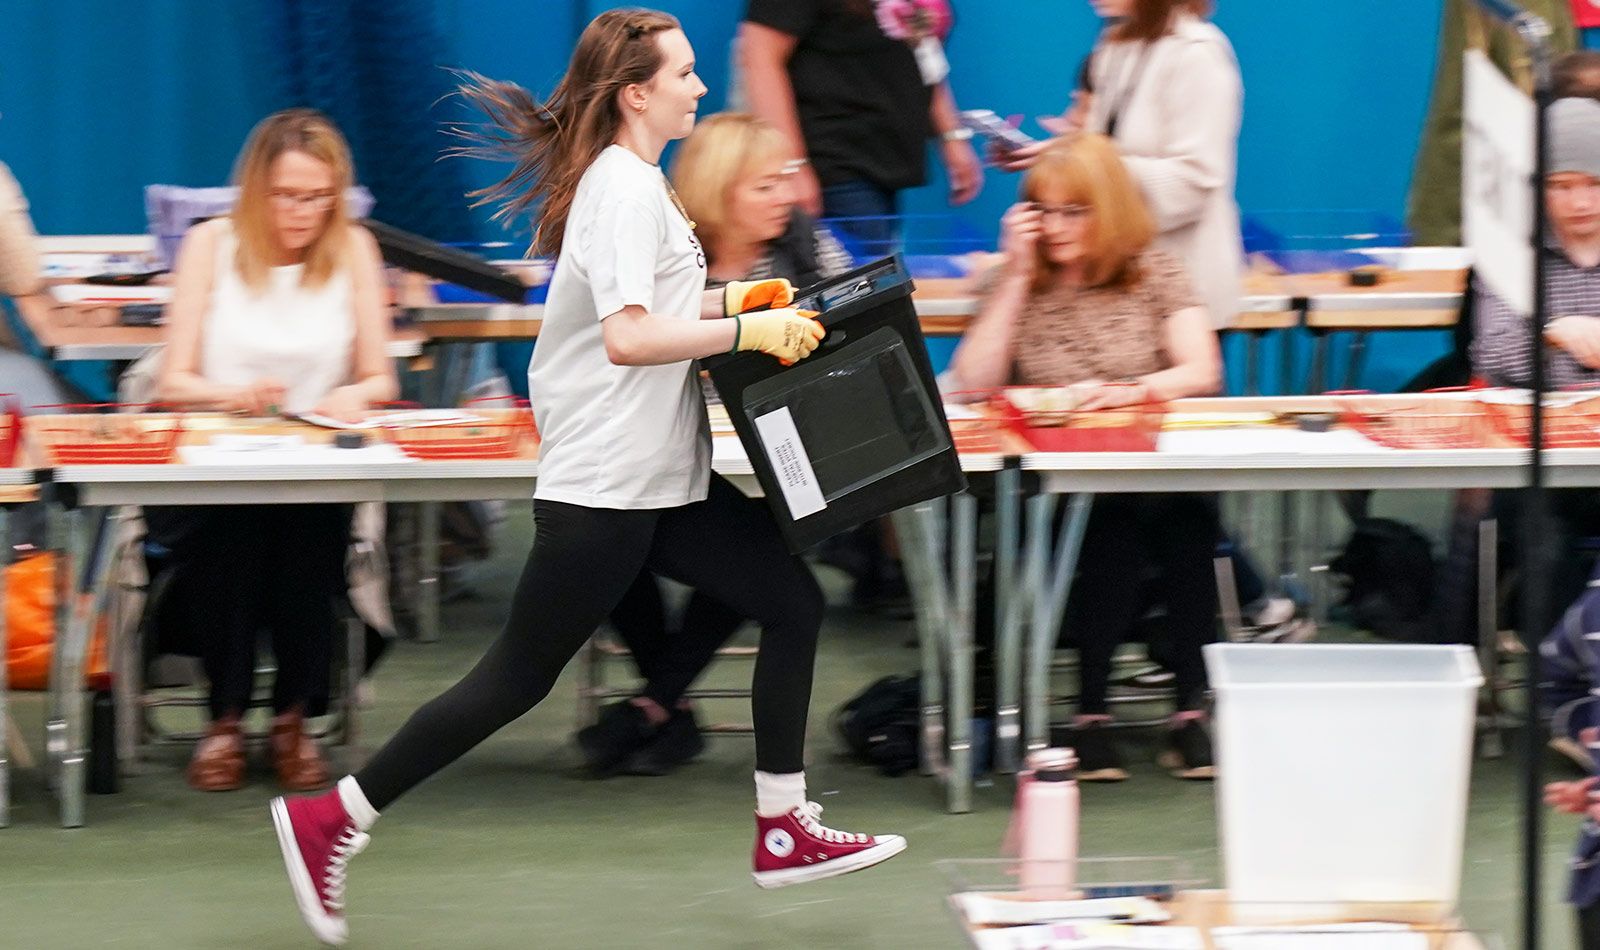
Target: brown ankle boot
column 218, row 762
column 295, row 755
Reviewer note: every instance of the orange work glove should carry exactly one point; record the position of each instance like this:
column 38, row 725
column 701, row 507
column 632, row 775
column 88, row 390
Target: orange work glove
column 741, row 296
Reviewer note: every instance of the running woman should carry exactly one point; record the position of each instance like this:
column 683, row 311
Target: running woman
column 625, row 477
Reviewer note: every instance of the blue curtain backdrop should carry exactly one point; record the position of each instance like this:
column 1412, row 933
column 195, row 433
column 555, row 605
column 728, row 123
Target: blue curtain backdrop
column 377, row 67
column 101, row 97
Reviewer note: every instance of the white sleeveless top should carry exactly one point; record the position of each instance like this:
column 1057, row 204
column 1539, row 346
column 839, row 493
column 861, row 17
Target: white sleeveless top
column 303, row 338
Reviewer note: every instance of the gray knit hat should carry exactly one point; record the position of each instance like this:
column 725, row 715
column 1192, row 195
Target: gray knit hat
column 1574, row 136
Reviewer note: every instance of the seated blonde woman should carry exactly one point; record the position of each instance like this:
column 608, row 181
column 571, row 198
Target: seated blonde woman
column 1080, row 299
column 276, row 308
column 734, row 180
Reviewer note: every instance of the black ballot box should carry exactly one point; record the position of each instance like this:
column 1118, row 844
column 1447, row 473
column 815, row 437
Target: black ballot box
column 854, row 431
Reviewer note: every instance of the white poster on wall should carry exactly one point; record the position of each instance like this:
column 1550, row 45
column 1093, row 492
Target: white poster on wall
column 1497, row 152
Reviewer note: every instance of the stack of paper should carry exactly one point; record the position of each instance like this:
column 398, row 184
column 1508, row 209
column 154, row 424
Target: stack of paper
column 1089, row 936
column 986, row 910
column 1353, row 936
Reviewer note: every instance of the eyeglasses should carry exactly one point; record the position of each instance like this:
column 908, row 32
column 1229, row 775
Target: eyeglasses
column 314, row 200
column 1073, row 213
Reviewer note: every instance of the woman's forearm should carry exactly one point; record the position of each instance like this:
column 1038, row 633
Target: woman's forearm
column 1182, row 382
column 193, row 391
column 376, row 388
column 635, row 337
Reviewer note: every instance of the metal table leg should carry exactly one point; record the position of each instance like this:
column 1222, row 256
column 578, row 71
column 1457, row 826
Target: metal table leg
column 1320, row 360
column 944, row 621
column 1358, row 360
column 1054, row 579
column 963, row 584
column 918, row 527
column 442, row 388
column 427, row 592
column 90, row 538
column 1252, row 363
column 1008, row 623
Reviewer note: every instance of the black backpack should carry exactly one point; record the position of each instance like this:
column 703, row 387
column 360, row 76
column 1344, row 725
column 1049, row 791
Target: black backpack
column 1387, row 571
column 882, row 726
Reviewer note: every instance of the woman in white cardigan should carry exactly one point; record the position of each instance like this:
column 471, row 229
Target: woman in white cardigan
column 1167, row 90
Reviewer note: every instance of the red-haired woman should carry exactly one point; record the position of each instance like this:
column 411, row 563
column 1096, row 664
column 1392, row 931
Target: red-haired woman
column 1083, row 300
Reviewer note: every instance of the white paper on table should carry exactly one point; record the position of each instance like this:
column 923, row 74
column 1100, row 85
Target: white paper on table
column 1251, row 440
column 787, row 455
column 111, row 294
column 1351, row 936
column 405, row 418
column 255, row 442
column 987, row 910
column 287, row 454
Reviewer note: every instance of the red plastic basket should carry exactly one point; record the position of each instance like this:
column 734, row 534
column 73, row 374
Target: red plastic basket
column 10, row 430
column 1128, row 429
column 1575, row 426
column 1424, row 425
column 107, row 433
column 506, row 427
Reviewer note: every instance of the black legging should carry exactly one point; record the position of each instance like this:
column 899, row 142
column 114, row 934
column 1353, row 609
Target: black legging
column 669, row 661
column 1128, row 538
column 582, row 561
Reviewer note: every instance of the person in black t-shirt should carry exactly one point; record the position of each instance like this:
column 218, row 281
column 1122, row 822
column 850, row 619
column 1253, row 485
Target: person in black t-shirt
column 857, row 87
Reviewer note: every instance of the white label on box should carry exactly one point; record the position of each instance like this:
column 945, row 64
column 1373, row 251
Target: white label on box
column 781, row 441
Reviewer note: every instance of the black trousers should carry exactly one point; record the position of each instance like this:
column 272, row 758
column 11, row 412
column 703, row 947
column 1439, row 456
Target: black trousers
column 1589, row 927
column 1134, row 541
column 670, row 656
column 583, row 560
column 245, row 570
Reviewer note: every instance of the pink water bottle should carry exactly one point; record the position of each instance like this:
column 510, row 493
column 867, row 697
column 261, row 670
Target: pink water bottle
column 1048, row 826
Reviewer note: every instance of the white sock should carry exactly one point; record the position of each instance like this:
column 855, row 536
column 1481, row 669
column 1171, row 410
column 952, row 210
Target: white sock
column 355, row 803
column 779, row 793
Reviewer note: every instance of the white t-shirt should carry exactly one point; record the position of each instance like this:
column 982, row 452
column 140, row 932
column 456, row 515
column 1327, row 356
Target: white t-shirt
column 619, row 436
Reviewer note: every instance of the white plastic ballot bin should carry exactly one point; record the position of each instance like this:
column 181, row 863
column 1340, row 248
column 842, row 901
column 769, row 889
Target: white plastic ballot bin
column 1343, row 769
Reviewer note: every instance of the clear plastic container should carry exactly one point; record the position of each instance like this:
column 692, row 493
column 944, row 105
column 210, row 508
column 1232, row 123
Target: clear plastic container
column 1343, row 769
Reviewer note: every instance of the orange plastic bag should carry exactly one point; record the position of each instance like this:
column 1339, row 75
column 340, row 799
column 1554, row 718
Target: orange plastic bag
column 28, row 591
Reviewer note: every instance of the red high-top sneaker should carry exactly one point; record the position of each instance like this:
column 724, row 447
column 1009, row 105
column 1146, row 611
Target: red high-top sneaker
column 318, row 838
column 795, row 848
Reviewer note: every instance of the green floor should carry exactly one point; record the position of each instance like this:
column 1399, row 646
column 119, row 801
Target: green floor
column 510, row 849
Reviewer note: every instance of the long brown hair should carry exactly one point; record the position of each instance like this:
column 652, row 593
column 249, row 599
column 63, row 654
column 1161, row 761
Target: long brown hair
column 1152, row 19
column 555, row 141
column 292, row 130
column 1085, row 168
